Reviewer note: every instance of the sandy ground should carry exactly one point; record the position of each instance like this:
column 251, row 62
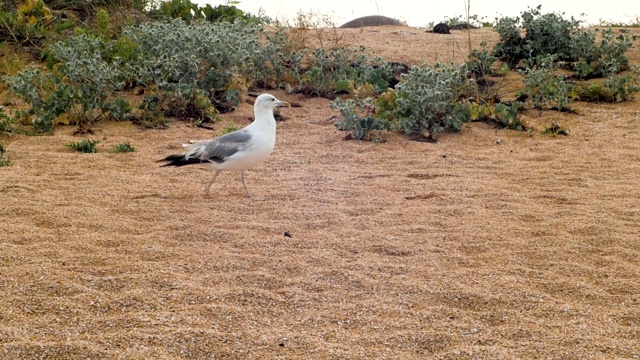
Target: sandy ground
column 463, row 249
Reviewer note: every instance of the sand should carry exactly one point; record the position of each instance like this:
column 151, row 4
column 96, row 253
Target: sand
column 469, row 248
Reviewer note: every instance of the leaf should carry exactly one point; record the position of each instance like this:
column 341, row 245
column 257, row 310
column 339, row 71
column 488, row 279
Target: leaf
column 62, row 119
column 344, row 85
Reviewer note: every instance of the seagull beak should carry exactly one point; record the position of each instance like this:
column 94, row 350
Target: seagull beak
column 282, row 103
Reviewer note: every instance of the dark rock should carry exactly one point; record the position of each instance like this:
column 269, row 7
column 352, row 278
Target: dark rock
column 441, row 28
column 372, row 20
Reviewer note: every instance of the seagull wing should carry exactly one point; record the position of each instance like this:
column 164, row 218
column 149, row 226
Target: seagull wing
column 218, row 149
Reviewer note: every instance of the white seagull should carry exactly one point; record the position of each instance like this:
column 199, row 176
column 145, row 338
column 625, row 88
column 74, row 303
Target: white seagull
column 239, row 150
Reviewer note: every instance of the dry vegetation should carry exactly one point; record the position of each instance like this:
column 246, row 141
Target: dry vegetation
column 469, row 248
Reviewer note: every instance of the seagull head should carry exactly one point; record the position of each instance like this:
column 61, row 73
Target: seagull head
column 268, row 102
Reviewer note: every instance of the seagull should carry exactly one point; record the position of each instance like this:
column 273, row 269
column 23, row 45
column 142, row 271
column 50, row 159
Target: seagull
column 239, row 150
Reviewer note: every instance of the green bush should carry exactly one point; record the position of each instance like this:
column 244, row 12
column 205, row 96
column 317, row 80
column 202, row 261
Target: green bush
column 551, row 34
column 507, row 115
column 428, row 99
column 189, row 11
column 624, row 87
column 177, row 9
column 118, row 109
column 594, row 92
column 90, row 78
column 184, row 60
column 328, row 67
column 84, row 146
column 46, row 94
column 359, row 117
column 151, row 117
column 481, row 62
column 603, row 59
column 511, row 47
column 545, row 34
column 543, row 89
column 229, row 128
column 79, row 83
column 124, row 147
column 504, row 114
column 229, row 13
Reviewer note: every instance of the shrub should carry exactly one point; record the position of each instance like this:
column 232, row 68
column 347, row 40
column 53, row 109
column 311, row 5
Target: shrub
column 624, row 87
column 118, row 109
column 188, row 11
column 594, row 92
column 229, row 13
column 84, row 146
column 177, row 9
column 616, row 88
column 327, row 67
column 124, row 147
column 184, row 60
column 504, row 114
column 511, row 47
column 46, row 94
column 428, row 99
column 281, row 61
column 481, row 62
column 359, row 117
column 548, row 34
column 90, row 78
column 79, row 83
column 543, row 89
column 545, row 34
column 151, row 117
column 592, row 60
column 507, row 115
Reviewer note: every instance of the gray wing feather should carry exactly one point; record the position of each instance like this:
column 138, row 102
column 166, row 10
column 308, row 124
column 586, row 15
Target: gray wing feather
column 220, row 148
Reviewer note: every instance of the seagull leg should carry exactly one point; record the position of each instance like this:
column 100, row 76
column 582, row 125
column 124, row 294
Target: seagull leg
column 206, row 193
column 245, row 186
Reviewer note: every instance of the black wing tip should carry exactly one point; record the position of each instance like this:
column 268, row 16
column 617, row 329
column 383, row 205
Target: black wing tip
column 178, row 160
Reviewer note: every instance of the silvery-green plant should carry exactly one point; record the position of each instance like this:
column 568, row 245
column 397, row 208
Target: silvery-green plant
column 47, row 95
column 90, row 77
column 179, row 57
column 79, row 83
column 552, row 34
column 327, row 67
column 624, row 87
column 429, row 99
column 544, row 89
column 358, row 116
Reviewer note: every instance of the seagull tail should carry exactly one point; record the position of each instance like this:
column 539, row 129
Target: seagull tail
column 179, row 160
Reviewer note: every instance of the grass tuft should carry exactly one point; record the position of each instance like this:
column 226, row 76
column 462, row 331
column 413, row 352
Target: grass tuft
column 84, row 146
column 124, row 147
